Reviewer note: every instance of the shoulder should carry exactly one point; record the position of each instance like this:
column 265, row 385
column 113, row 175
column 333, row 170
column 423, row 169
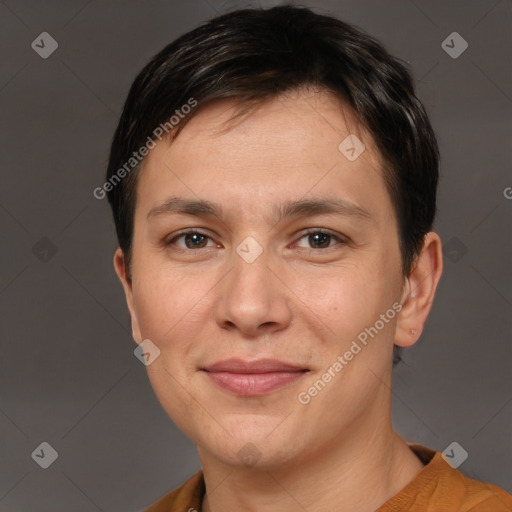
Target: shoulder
column 482, row 497
column 186, row 498
column 439, row 487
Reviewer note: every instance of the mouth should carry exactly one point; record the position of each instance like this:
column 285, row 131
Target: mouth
column 254, row 378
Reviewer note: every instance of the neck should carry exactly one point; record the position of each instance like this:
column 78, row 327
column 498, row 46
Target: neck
column 360, row 470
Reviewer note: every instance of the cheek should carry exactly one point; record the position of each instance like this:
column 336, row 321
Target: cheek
column 167, row 296
column 175, row 311
column 168, row 307
column 345, row 299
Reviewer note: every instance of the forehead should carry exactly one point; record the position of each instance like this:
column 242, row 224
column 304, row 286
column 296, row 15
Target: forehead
column 303, row 112
column 287, row 146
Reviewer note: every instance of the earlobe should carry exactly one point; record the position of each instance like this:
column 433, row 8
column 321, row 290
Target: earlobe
column 121, row 271
column 419, row 291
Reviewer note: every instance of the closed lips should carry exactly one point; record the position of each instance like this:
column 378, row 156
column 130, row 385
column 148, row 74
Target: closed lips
column 260, row 366
column 255, row 378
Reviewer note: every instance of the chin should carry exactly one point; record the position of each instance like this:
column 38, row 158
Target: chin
column 259, row 450
column 254, row 456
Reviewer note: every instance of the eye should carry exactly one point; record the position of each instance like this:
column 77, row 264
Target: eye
column 191, row 239
column 315, row 239
column 320, row 239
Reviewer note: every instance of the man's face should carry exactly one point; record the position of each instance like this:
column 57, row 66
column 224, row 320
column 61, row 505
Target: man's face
column 249, row 285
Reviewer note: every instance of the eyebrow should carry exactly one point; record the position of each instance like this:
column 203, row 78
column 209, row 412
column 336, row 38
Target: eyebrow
column 288, row 209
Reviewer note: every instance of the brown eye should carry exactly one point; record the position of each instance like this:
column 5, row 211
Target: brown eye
column 195, row 240
column 317, row 239
column 190, row 240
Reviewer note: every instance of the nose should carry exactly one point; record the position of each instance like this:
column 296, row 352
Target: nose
column 252, row 299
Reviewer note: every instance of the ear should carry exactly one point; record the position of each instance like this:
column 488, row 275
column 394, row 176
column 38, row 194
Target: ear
column 419, row 291
column 121, row 271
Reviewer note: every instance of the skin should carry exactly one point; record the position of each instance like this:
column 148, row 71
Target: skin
column 298, row 302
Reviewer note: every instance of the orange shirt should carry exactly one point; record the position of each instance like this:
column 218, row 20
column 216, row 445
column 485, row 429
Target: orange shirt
column 437, row 488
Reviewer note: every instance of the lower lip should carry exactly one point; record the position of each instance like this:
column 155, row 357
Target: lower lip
column 254, row 384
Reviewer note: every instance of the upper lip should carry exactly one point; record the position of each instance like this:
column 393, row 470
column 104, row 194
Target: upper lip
column 259, row 366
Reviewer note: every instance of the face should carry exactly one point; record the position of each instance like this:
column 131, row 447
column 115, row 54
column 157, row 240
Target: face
column 262, row 256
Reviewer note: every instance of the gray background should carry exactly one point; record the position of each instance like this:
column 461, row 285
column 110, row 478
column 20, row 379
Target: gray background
column 68, row 375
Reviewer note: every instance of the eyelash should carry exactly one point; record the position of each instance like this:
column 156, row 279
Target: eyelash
column 342, row 240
